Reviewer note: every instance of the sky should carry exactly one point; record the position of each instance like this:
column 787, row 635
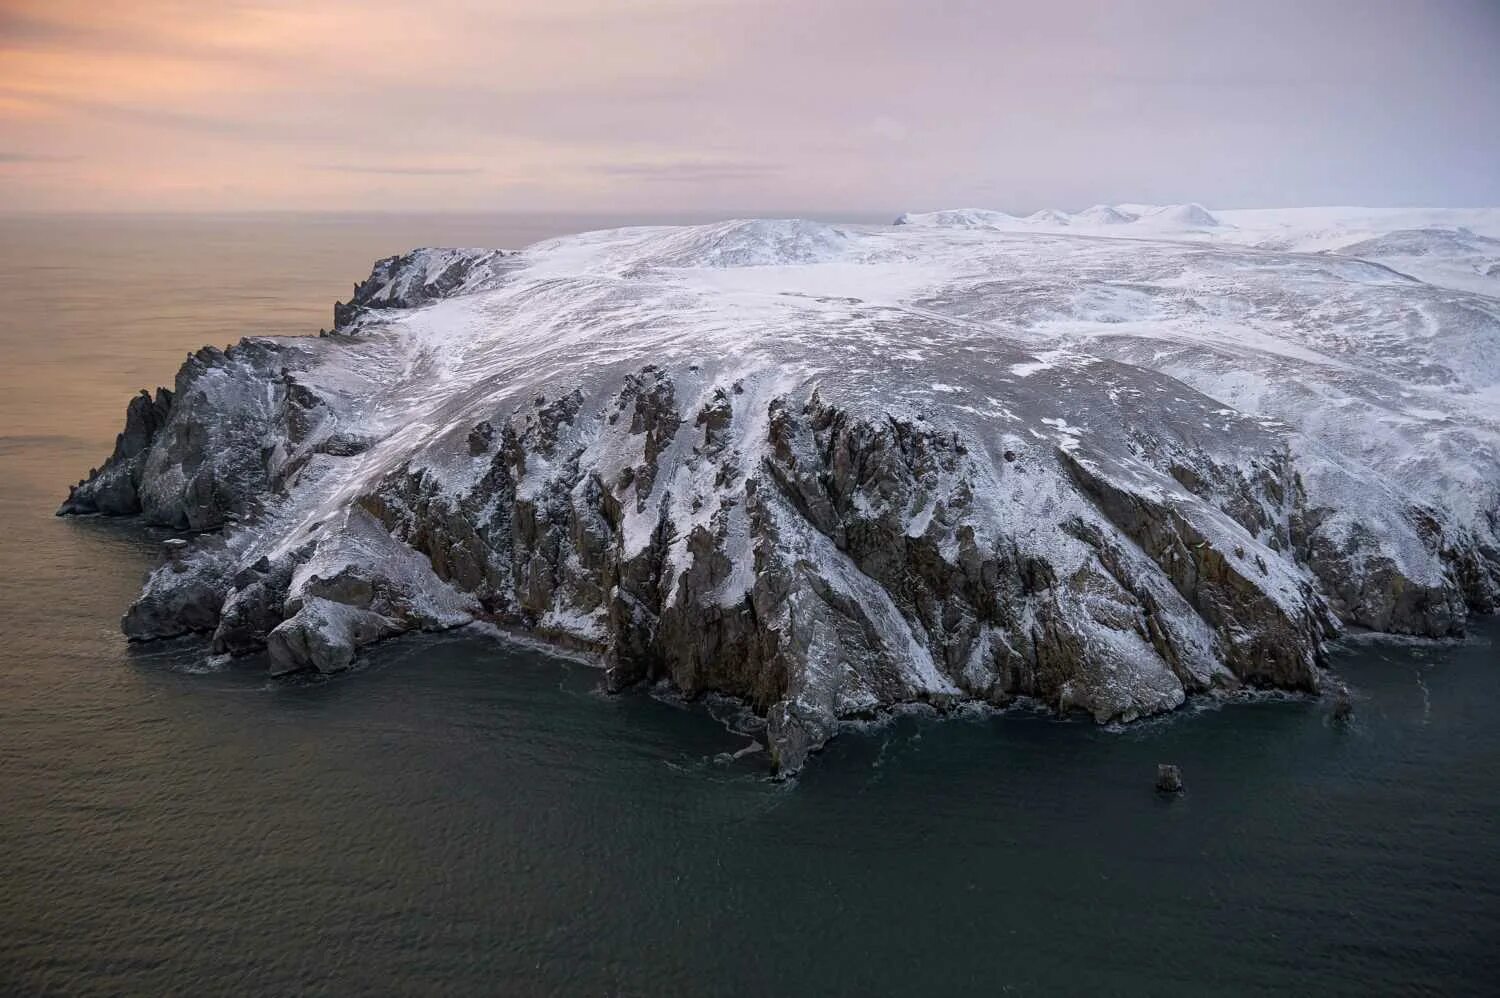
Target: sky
column 825, row 105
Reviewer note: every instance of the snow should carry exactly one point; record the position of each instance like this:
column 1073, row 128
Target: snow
column 1178, row 216
column 959, row 218
column 1447, row 247
column 1045, row 360
column 1364, row 346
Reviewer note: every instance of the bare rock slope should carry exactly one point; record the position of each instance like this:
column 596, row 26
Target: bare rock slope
column 832, row 469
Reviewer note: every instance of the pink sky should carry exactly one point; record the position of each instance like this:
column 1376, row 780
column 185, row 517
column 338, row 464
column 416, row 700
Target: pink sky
column 741, row 104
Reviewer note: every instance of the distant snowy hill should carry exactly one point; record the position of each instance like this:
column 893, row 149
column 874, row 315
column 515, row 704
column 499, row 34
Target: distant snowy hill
column 1160, row 218
column 1104, row 459
column 1447, row 247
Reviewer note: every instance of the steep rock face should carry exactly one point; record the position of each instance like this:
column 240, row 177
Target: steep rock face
column 830, row 485
column 418, row 277
column 193, row 458
column 114, row 489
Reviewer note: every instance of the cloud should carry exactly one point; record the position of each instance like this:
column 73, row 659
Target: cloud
column 31, row 157
column 400, row 171
column 778, row 104
column 884, row 128
column 690, row 171
column 130, row 113
column 21, row 27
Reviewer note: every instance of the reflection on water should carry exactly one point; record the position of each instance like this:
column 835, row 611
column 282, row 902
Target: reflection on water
column 460, row 815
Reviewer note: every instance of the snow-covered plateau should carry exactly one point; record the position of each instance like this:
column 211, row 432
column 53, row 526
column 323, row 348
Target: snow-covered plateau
column 1105, row 459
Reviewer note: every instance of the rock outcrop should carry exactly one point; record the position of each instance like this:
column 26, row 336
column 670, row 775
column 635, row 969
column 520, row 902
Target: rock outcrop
column 115, row 488
column 876, row 472
column 418, row 277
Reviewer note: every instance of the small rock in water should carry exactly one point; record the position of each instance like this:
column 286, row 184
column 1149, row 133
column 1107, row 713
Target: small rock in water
column 1168, row 778
column 1343, row 706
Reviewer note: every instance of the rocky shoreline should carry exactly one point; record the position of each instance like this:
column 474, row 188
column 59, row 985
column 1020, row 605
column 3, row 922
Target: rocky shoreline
column 678, row 450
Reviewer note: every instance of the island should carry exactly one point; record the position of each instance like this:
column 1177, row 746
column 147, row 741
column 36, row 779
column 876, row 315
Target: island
column 1105, row 460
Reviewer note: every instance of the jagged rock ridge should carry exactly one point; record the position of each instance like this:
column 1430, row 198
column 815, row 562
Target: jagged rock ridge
column 830, row 469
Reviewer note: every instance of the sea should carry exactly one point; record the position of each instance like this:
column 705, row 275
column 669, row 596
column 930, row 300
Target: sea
column 466, row 815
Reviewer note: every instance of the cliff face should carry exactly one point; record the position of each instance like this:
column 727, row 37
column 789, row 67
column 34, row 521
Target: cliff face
column 830, row 470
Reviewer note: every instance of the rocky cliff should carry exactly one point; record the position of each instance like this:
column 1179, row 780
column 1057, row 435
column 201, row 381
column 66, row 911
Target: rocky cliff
column 833, row 469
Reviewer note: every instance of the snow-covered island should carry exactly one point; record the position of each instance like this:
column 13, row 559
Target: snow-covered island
column 1104, row 459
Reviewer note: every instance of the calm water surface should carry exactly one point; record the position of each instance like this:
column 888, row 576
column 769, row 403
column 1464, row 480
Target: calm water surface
column 462, row 816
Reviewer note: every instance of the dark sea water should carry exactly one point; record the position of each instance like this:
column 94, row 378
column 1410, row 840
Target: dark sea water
column 465, row 816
